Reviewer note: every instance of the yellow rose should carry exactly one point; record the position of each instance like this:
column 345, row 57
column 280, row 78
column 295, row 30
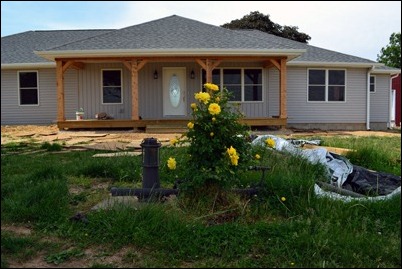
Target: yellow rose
column 234, row 159
column 173, row 141
column 171, row 163
column 270, row 142
column 214, row 109
column 257, row 156
column 190, row 125
column 213, row 119
column 193, row 105
column 211, row 134
column 283, row 199
column 211, row 87
column 231, row 151
column 203, row 97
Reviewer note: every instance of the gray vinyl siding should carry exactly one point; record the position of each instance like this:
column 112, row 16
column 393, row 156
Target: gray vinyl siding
column 273, row 92
column 379, row 100
column 302, row 111
column 90, row 92
column 46, row 111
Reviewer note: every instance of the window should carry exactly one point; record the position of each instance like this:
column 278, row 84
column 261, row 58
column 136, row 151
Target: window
column 111, row 87
column 326, row 85
column 372, row 83
column 245, row 84
column 28, row 87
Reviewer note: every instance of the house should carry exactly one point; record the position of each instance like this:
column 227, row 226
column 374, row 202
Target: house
column 148, row 74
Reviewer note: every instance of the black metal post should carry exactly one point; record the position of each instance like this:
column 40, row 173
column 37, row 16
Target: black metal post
column 150, row 163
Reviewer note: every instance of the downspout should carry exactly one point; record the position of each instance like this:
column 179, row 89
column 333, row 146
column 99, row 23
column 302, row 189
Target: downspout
column 391, row 100
column 368, row 99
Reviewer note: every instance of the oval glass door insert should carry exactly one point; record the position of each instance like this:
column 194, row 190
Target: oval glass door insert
column 174, row 91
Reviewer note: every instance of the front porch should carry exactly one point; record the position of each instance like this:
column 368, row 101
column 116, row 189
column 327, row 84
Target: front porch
column 128, row 123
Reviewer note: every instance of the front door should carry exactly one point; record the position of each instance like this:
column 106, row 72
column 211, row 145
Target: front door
column 174, row 91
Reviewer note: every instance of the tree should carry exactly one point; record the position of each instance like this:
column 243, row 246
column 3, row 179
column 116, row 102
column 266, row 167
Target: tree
column 391, row 54
column 258, row 21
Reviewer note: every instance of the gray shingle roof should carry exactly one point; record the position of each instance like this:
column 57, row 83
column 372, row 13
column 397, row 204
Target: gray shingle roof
column 312, row 54
column 19, row 48
column 173, row 32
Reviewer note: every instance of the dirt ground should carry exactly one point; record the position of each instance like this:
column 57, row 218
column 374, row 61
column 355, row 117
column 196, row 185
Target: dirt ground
column 119, row 139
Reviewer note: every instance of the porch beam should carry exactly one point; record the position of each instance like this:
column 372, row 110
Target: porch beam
column 209, row 65
column 66, row 65
column 72, row 64
column 60, row 91
column 141, row 64
column 78, row 65
column 127, row 64
column 276, row 63
column 282, row 86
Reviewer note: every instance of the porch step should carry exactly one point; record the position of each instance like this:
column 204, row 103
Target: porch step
column 165, row 129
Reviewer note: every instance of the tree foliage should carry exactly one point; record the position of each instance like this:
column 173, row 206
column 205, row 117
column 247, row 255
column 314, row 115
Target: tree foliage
column 258, row 21
column 391, row 54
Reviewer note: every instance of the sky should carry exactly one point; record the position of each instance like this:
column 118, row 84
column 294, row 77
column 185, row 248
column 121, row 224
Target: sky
column 359, row 28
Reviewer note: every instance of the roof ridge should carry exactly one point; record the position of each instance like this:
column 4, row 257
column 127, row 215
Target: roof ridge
column 78, row 40
column 69, row 30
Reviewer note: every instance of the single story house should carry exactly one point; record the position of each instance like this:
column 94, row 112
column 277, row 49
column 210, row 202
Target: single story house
column 148, row 74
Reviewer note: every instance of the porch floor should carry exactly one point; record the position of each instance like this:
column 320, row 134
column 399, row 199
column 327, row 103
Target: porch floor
column 128, row 123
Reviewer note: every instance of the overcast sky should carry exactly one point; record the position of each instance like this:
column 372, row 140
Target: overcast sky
column 351, row 27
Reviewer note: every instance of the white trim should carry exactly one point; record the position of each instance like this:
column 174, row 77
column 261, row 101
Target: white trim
column 309, row 64
column 121, row 86
column 51, row 55
column 368, row 94
column 28, row 65
column 326, row 101
column 19, row 88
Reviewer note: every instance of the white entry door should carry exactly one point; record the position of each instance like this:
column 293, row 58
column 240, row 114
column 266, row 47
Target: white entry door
column 174, row 91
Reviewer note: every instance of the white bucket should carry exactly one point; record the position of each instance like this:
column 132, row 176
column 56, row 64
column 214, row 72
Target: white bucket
column 79, row 115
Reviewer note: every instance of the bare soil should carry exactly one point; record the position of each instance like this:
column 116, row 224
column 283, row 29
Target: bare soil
column 120, row 138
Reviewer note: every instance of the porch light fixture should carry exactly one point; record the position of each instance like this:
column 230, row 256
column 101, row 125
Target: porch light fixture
column 192, row 74
column 156, row 74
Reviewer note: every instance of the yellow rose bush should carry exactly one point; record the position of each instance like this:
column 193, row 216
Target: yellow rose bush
column 218, row 145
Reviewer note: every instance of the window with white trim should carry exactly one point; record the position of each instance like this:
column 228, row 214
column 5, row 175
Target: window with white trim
column 326, row 85
column 28, row 88
column 245, row 84
column 112, row 86
column 372, row 83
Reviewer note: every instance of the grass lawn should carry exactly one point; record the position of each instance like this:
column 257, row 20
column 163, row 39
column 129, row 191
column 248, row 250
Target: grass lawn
column 285, row 225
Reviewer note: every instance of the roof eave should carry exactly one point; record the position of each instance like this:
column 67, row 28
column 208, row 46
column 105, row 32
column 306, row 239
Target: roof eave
column 334, row 64
column 28, row 65
column 52, row 55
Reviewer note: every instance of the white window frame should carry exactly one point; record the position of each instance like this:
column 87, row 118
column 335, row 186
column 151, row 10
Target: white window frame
column 242, row 86
column 326, row 85
column 121, row 86
column 19, row 87
column 375, row 79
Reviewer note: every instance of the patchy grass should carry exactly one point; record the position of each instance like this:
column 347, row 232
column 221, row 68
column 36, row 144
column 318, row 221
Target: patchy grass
column 285, row 225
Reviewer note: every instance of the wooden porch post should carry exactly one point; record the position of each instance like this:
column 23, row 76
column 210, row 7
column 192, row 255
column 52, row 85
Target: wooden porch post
column 60, row 91
column 134, row 90
column 208, row 66
column 282, row 96
column 208, row 70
